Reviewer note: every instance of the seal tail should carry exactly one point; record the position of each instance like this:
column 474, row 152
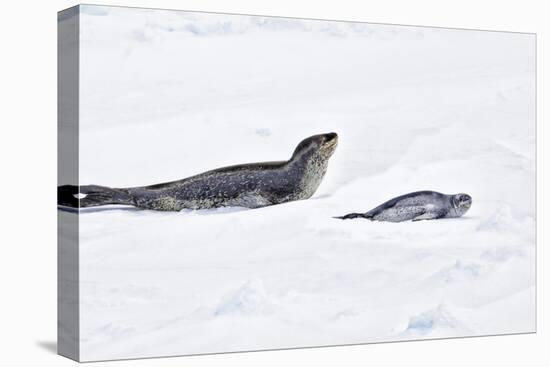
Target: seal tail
column 67, row 195
column 355, row 215
column 91, row 195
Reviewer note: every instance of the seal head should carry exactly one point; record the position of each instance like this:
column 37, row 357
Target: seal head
column 320, row 146
column 461, row 203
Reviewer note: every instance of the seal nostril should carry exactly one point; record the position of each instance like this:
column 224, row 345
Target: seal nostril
column 330, row 136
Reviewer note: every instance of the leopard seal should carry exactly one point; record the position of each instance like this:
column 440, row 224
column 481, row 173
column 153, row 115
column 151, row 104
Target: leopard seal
column 251, row 185
column 415, row 206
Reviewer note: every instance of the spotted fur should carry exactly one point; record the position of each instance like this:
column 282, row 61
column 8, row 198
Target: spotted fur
column 251, row 185
column 421, row 205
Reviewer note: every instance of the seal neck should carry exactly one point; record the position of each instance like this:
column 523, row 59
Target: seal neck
column 307, row 171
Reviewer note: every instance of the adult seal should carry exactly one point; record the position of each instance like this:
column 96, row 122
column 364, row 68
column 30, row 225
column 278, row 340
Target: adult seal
column 250, row 185
column 420, row 205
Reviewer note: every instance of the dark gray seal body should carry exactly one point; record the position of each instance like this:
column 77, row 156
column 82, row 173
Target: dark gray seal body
column 250, row 185
column 420, row 205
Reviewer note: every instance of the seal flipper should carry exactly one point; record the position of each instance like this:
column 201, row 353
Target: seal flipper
column 427, row 216
column 66, row 196
column 249, row 200
column 95, row 195
column 354, row 215
column 91, row 195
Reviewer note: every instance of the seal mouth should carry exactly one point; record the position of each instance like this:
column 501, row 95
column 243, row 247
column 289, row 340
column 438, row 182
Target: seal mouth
column 461, row 203
column 331, row 141
column 328, row 148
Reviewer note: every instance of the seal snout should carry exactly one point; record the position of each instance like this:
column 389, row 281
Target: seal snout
column 464, row 200
column 330, row 140
column 461, row 203
column 331, row 136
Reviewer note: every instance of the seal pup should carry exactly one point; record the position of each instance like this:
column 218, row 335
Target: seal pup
column 420, row 205
column 251, row 185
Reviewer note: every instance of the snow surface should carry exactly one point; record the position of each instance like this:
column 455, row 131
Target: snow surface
column 168, row 94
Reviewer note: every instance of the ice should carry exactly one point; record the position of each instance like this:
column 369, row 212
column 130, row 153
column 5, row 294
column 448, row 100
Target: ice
column 433, row 320
column 165, row 95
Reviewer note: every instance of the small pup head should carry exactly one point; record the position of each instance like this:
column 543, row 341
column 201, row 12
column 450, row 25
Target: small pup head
column 461, row 203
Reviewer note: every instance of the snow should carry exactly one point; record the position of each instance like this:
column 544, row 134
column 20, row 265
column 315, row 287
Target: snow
column 167, row 94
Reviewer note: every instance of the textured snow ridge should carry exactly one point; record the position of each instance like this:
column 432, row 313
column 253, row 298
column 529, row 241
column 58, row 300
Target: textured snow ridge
column 438, row 319
column 165, row 95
